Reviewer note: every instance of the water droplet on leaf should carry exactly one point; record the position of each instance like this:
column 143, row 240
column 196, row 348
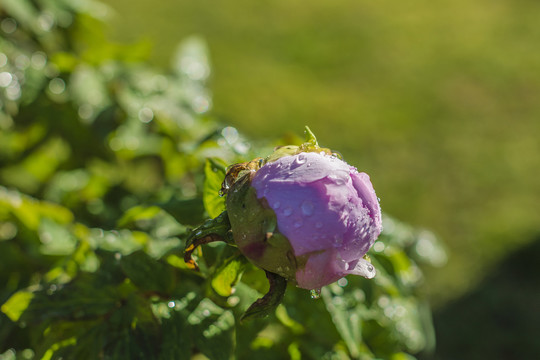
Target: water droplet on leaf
column 315, row 293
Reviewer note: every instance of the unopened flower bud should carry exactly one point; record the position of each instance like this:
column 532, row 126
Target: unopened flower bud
column 309, row 217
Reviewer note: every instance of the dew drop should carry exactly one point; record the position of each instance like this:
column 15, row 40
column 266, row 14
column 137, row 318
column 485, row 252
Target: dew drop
column 338, row 180
column 300, row 159
column 171, row 304
column 277, row 204
column 315, row 293
column 318, row 225
column 307, row 208
column 298, row 224
column 287, row 211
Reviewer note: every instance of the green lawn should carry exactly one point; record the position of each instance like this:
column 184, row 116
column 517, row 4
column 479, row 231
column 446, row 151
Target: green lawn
column 438, row 102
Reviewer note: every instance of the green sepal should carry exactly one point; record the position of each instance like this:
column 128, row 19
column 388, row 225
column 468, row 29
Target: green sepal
column 310, row 145
column 217, row 229
column 310, row 137
column 269, row 302
column 254, row 228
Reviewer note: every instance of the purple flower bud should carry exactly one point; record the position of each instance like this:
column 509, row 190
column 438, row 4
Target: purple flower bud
column 308, row 217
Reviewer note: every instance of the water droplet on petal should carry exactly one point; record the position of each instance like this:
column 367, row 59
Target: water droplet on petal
column 319, row 225
column 300, row 159
column 307, row 208
column 298, row 224
column 277, row 204
column 363, row 268
column 338, row 180
column 370, row 268
column 287, row 211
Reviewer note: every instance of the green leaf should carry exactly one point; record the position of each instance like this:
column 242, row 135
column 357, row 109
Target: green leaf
column 56, row 239
column 177, row 337
column 147, row 273
column 17, row 304
column 345, row 315
column 138, row 213
column 185, row 211
column 213, row 330
column 123, row 241
column 214, row 171
column 226, row 276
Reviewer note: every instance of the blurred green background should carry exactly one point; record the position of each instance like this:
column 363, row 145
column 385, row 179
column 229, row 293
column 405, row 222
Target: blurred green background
column 439, row 103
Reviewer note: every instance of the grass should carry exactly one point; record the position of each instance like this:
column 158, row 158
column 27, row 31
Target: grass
column 438, row 103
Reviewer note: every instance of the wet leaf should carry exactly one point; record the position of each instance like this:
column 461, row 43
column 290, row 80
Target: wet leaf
column 211, row 230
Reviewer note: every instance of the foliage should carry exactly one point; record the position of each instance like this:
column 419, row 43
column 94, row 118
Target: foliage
column 102, row 171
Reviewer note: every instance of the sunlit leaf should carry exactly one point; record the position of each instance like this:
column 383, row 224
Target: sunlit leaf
column 226, row 276
column 56, row 239
column 214, row 202
column 213, row 330
column 17, row 304
column 138, row 213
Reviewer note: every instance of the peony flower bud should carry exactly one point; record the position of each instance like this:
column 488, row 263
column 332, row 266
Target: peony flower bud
column 307, row 216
